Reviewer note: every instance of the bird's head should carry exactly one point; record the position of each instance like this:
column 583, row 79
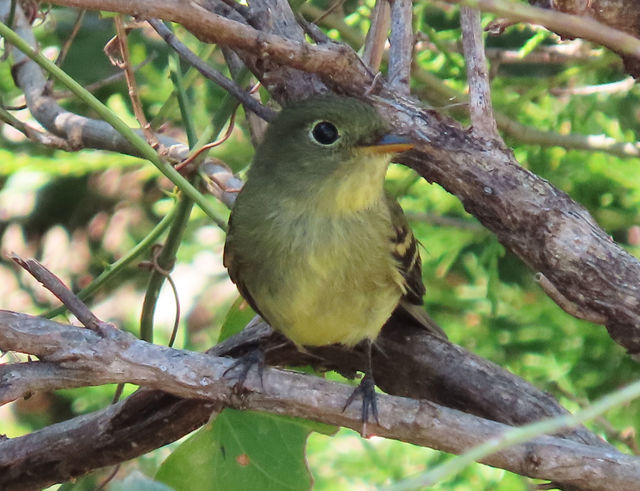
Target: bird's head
column 328, row 142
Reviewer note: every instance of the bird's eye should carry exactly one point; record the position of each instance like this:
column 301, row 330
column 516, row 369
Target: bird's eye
column 325, row 133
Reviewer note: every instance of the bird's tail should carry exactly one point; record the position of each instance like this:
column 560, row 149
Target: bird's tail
column 408, row 312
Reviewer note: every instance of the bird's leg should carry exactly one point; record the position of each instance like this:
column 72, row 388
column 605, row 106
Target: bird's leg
column 366, row 389
column 255, row 356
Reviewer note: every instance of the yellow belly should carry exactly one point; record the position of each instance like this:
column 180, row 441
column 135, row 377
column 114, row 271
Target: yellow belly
column 323, row 312
column 333, row 293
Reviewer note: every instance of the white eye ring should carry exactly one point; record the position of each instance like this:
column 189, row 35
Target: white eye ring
column 324, row 133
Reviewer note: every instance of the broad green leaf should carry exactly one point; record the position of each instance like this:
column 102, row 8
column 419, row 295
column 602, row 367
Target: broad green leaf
column 242, row 450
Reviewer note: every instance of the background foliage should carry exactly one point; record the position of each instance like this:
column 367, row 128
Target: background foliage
column 81, row 211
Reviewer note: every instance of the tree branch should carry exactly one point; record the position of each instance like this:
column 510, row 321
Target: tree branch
column 214, row 75
column 401, row 41
column 141, row 423
column 116, row 356
column 480, row 108
column 376, row 38
column 335, row 61
column 542, row 225
column 565, row 24
column 82, row 132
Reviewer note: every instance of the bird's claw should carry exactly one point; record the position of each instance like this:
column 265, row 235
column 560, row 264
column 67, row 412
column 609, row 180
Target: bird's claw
column 245, row 363
column 367, row 390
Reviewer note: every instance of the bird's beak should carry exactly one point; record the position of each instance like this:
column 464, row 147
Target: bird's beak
column 390, row 143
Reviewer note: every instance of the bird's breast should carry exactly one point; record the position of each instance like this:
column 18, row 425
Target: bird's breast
column 328, row 279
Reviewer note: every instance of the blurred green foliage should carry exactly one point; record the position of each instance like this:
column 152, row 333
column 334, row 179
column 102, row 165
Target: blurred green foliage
column 81, row 211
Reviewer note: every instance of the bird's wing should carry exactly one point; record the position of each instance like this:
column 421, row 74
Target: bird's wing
column 405, row 251
column 232, row 264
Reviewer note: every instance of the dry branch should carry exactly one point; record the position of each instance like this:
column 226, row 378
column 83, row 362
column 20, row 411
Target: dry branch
column 542, row 225
column 334, row 61
column 376, row 39
column 115, row 356
column 619, row 14
column 480, row 108
column 81, row 132
column 577, row 26
column 401, row 50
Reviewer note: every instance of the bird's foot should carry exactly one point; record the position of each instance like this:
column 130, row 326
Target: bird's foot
column 367, row 390
column 244, row 364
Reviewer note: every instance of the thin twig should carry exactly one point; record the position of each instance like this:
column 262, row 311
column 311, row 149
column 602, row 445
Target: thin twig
column 480, row 108
column 332, row 8
column 33, row 134
column 209, row 146
column 620, row 86
column 312, row 30
column 212, row 74
column 92, row 87
column 52, row 283
column 256, row 125
column 401, row 41
column 74, row 32
column 125, row 65
column 563, row 53
column 568, row 52
column 155, row 266
column 109, row 478
column 243, row 10
column 376, row 38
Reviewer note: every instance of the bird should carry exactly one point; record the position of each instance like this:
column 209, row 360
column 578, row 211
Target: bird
column 314, row 244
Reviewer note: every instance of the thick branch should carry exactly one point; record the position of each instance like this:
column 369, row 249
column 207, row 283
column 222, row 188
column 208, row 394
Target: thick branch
column 117, row 357
column 274, row 18
column 143, row 422
column 549, row 231
column 20, row 380
column 335, row 61
column 431, row 369
column 565, row 24
column 620, row 14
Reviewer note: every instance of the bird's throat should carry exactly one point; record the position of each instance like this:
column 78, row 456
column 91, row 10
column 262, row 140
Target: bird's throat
column 358, row 185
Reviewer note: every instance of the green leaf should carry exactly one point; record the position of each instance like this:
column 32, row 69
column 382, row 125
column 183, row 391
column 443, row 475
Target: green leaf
column 237, row 317
column 242, row 450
